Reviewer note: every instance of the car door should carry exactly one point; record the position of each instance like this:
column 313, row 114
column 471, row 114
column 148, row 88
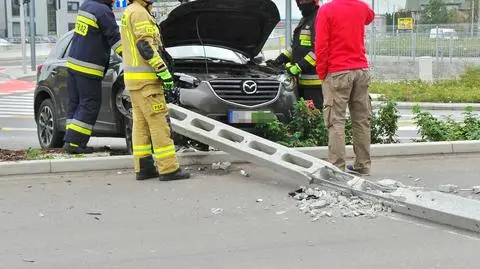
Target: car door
column 105, row 122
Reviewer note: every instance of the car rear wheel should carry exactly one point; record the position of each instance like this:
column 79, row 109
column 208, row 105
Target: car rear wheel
column 48, row 134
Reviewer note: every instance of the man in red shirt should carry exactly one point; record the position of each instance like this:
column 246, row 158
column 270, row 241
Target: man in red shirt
column 342, row 65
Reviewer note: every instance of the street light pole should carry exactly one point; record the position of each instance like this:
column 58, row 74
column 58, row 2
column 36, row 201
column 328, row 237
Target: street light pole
column 288, row 23
column 22, row 34
column 32, row 35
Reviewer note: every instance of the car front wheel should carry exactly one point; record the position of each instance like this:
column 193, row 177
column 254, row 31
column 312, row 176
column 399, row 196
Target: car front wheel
column 48, row 134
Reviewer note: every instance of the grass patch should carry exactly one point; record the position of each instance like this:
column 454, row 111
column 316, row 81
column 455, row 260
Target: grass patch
column 463, row 90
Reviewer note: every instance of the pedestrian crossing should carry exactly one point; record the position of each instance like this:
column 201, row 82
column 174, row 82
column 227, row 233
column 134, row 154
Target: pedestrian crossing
column 16, row 105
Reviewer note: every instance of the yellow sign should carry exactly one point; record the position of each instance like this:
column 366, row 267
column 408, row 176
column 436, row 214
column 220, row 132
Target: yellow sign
column 405, row 23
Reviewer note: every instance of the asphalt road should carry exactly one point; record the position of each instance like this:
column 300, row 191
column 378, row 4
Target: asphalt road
column 107, row 220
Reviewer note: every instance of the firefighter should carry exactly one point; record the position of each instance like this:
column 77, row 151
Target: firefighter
column 146, row 77
column 96, row 34
column 299, row 59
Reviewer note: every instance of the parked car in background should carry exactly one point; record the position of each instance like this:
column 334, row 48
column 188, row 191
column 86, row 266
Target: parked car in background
column 215, row 47
column 4, row 43
column 443, row 33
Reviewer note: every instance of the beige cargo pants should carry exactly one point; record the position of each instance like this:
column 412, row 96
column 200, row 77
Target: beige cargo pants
column 151, row 130
column 339, row 90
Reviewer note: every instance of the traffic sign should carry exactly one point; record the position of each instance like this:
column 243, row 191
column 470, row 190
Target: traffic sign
column 405, row 23
column 121, row 3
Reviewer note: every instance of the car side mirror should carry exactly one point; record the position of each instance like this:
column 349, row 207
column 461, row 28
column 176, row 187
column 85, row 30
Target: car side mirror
column 260, row 58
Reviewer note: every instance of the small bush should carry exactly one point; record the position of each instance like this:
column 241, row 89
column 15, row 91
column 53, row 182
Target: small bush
column 433, row 129
column 307, row 128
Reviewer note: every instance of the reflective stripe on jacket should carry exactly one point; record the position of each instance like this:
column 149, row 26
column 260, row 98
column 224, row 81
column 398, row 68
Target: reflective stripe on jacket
column 302, row 52
column 138, row 24
column 96, row 34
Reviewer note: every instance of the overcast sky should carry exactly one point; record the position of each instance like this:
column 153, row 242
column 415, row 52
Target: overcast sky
column 381, row 6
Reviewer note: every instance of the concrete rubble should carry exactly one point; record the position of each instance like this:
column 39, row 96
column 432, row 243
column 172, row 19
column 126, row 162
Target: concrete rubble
column 221, row 166
column 448, row 188
column 318, row 203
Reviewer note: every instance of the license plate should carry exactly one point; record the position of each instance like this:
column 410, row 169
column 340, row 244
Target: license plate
column 242, row 116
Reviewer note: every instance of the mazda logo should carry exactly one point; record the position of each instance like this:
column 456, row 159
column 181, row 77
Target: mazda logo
column 249, row 87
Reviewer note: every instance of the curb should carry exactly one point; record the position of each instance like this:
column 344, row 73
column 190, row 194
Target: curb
column 207, row 158
column 434, row 106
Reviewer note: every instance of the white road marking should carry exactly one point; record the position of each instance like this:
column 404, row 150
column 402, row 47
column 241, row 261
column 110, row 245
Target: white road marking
column 16, row 105
column 14, row 129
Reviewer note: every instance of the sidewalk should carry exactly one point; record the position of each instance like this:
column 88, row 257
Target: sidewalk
column 17, row 73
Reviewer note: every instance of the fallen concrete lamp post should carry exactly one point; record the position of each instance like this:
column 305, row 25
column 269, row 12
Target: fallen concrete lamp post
column 434, row 206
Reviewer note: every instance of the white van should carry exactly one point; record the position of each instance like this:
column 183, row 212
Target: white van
column 445, row 33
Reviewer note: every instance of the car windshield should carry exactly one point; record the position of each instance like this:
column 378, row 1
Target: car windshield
column 212, row 53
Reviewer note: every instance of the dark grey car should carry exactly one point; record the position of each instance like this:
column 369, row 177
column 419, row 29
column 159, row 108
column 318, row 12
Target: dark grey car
column 217, row 64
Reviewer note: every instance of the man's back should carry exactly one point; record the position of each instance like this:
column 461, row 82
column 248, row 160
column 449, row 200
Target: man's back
column 341, row 24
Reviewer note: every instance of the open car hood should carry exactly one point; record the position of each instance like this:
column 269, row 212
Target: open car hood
column 242, row 25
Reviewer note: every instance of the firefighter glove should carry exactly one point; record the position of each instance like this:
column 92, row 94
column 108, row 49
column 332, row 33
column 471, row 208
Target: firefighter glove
column 167, row 79
column 293, row 69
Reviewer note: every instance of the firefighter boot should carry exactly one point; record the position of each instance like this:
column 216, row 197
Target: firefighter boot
column 177, row 175
column 147, row 169
column 74, row 149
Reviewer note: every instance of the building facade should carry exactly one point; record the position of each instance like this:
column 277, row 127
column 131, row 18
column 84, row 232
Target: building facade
column 55, row 17
column 52, row 17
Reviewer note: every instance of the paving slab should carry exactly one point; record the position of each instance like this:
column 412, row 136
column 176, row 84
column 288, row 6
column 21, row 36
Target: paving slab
column 107, row 219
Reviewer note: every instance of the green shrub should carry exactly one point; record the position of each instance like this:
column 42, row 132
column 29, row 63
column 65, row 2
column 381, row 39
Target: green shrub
column 433, row 129
column 307, row 128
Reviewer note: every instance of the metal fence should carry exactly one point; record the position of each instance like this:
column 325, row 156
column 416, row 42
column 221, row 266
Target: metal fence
column 393, row 54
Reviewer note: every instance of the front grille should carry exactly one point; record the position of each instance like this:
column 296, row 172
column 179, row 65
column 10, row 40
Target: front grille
column 231, row 90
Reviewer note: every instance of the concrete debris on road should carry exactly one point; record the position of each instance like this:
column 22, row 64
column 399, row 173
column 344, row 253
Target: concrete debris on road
column 216, row 211
column 476, row 189
column 243, row 173
column 448, row 188
column 314, row 202
column 221, row 165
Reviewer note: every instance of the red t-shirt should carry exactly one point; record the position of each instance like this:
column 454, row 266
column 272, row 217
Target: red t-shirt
column 339, row 37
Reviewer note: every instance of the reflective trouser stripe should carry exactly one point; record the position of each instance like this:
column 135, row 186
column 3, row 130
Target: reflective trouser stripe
column 88, row 21
column 142, row 150
column 79, row 129
column 139, row 76
column 165, row 152
column 73, row 145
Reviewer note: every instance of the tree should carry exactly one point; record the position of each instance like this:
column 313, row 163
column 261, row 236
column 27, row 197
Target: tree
column 435, row 13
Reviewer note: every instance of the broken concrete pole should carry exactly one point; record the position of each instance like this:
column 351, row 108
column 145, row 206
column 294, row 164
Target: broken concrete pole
column 448, row 188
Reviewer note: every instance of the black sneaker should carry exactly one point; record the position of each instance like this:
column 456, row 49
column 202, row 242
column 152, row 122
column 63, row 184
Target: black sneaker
column 73, row 149
column 177, row 175
column 147, row 169
column 358, row 171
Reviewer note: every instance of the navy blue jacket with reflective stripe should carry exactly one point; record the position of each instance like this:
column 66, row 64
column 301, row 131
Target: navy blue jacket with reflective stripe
column 96, row 33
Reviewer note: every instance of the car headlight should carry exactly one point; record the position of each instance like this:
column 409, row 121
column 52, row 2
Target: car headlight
column 287, row 81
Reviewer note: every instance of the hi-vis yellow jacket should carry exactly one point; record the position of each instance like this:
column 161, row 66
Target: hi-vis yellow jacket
column 141, row 42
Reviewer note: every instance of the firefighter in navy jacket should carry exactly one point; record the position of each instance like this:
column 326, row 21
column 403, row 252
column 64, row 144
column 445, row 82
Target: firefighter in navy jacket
column 299, row 59
column 96, row 34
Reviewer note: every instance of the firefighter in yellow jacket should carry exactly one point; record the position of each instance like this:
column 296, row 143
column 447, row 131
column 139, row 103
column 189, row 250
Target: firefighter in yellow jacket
column 147, row 77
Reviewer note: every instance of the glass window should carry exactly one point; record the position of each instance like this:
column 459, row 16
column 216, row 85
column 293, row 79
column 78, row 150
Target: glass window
column 72, row 7
column 16, row 29
column 59, row 52
column 71, row 26
column 16, row 8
